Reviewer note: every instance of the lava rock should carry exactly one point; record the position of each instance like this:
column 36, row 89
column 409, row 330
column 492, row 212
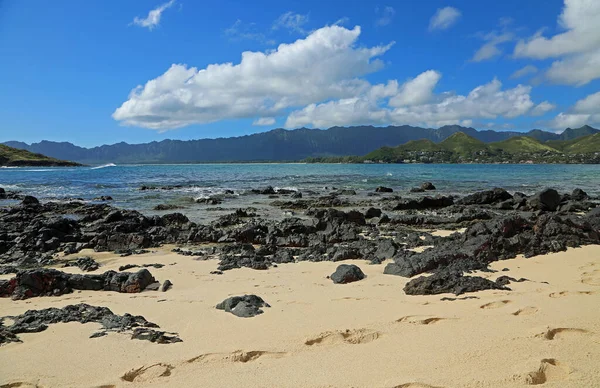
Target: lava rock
column 372, row 213
column 382, row 189
column 446, row 282
column 245, row 306
column 347, row 273
column 547, row 199
column 29, row 200
column 427, row 186
column 486, row 197
column 35, row 321
column 86, row 264
column 166, row 285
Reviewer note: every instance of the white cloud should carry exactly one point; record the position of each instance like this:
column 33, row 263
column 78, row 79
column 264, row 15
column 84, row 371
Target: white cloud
column 291, row 21
column 153, row 18
column 524, row 71
column 385, row 16
column 325, row 65
column 490, row 49
column 485, row 102
column 264, row 121
column 320, row 80
column 578, row 46
column 418, row 90
column 585, row 111
column 542, row 108
column 444, row 18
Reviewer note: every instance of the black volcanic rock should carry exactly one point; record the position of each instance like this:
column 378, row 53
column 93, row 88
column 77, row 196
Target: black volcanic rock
column 486, row 197
column 382, row 189
column 51, row 282
column 347, row 273
column 427, row 186
column 245, row 306
column 34, row 321
column 444, row 282
column 547, row 199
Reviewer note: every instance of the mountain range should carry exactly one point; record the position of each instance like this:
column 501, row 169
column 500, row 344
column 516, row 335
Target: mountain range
column 278, row 144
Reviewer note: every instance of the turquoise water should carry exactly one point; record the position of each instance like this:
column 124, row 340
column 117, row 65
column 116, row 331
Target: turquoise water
column 201, row 180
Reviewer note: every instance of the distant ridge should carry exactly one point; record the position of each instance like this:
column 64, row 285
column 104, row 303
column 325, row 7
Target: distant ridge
column 279, row 144
column 462, row 148
column 14, row 157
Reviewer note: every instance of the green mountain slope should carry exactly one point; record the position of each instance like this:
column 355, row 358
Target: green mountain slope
column 463, row 144
column 16, row 157
column 521, row 144
column 587, row 144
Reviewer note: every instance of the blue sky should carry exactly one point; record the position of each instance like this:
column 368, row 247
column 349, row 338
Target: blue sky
column 70, row 70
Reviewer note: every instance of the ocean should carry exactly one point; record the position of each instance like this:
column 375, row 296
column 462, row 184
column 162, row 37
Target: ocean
column 203, row 180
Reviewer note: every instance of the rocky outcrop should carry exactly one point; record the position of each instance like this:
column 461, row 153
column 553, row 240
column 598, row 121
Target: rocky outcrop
column 51, row 282
column 445, row 282
column 245, row 306
column 35, row 321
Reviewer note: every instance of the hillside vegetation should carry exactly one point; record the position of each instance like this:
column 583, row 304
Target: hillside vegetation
column 14, row 157
column 462, row 148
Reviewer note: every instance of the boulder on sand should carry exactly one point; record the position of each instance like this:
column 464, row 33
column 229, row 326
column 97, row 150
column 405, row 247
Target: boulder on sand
column 245, row 306
column 347, row 273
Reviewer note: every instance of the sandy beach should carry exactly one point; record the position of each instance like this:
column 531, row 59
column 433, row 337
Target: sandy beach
column 545, row 331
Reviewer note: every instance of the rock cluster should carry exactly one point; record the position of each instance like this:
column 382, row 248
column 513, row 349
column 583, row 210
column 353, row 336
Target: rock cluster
column 35, row 321
column 245, row 306
column 51, row 282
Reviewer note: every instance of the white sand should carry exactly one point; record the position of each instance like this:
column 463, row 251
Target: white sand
column 317, row 334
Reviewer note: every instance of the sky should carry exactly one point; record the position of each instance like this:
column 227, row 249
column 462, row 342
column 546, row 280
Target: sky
column 104, row 71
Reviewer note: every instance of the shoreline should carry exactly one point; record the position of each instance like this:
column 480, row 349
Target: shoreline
column 444, row 295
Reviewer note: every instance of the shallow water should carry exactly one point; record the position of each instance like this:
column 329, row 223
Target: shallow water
column 203, row 180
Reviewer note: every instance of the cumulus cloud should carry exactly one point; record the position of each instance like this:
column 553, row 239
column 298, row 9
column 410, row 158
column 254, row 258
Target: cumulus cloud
column 153, row 18
column 444, row 18
column 485, row 102
column 542, row 108
column 585, row 111
column 418, row 90
column 291, row 21
column 524, row 71
column 578, row 47
column 325, row 65
column 385, row 16
column 316, row 81
column 264, row 121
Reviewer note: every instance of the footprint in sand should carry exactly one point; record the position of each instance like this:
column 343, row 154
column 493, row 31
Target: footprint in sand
column 526, row 311
column 416, row 385
column 420, row 320
column 237, row 356
column 495, row 305
column 353, row 337
column 20, row 384
column 568, row 293
column 550, row 370
column 560, row 332
column 147, row 373
column 591, row 277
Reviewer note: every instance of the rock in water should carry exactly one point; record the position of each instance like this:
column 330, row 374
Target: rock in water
column 245, row 306
column 446, row 282
column 347, row 273
column 29, row 200
column 427, row 186
column 382, row 189
column 372, row 213
column 547, row 199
